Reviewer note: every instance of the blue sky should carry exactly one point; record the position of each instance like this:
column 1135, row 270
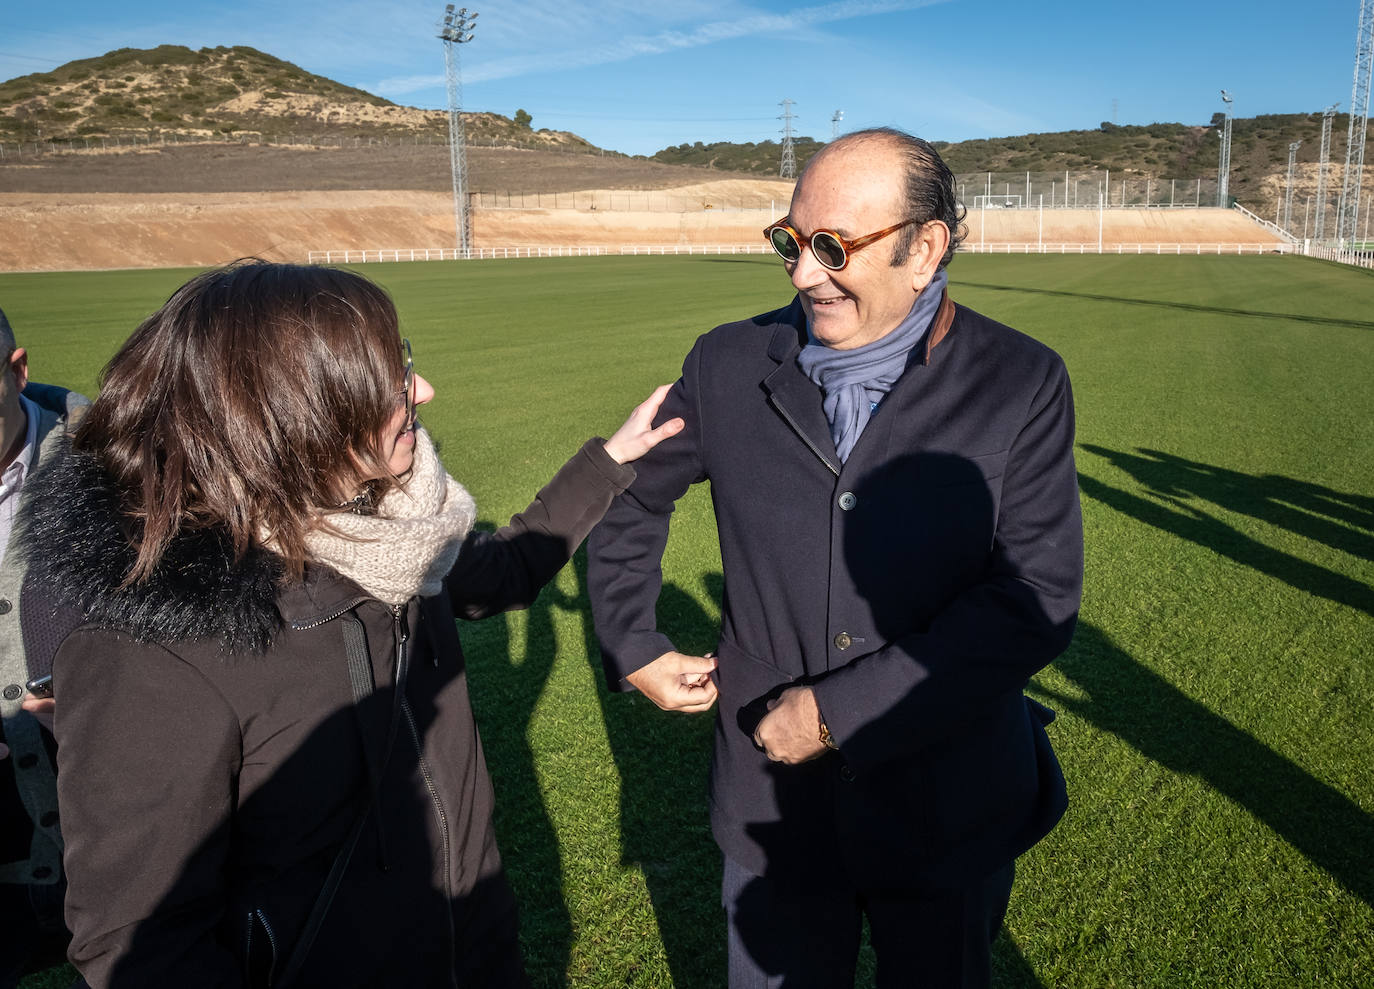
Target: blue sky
column 639, row 76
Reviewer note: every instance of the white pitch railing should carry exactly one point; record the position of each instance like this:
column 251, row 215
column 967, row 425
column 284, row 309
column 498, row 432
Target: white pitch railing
column 477, row 254
column 1360, row 259
column 1093, row 248
column 448, row 254
column 632, row 250
column 1272, row 227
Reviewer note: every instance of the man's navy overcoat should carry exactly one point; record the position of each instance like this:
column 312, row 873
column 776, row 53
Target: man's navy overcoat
column 917, row 587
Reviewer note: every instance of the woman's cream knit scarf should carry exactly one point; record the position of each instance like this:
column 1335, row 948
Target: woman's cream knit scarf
column 412, row 541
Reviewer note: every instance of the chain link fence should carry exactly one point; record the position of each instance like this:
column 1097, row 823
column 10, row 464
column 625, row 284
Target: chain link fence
column 1089, row 189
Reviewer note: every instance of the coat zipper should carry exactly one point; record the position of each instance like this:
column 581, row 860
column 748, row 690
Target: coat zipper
column 301, row 626
column 271, row 942
column 443, row 823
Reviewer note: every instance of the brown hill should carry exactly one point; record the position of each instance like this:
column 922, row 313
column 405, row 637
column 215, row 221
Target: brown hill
column 173, row 91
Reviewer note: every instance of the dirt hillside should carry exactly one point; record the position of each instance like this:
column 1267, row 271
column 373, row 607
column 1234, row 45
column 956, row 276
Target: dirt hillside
column 208, row 205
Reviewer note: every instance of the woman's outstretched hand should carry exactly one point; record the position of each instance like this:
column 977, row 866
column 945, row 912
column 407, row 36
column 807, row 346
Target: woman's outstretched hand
column 637, row 437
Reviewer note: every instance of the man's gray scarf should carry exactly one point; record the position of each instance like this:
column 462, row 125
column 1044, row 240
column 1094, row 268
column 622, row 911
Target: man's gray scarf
column 855, row 381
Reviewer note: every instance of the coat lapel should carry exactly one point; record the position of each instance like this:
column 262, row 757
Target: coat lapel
column 797, row 398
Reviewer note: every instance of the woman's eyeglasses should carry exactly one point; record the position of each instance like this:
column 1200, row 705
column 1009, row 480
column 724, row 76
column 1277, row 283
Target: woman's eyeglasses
column 408, row 384
column 830, row 248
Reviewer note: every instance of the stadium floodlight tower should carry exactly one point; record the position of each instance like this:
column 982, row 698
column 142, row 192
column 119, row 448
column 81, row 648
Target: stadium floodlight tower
column 456, row 29
column 788, row 168
column 835, row 124
column 1323, row 161
column 1288, row 189
column 1348, row 213
column 1224, row 166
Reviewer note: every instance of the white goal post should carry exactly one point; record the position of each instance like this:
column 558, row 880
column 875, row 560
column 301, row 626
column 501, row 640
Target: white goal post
column 1001, row 201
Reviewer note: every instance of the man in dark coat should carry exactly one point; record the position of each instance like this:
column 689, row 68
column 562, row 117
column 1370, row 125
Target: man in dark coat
column 35, row 421
column 897, row 508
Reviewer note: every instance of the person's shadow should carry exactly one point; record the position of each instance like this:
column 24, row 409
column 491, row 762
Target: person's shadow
column 1162, row 723
column 1339, row 520
column 506, row 685
column 662, row 761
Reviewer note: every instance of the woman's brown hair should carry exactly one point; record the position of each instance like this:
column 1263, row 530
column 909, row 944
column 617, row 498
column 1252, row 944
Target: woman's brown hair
column 253, row 400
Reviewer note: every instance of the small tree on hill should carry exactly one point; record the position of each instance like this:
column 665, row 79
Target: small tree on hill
column 522, row 119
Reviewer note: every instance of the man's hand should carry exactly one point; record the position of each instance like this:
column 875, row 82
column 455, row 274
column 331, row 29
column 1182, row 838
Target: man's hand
column 791, row 730
column 677, row 682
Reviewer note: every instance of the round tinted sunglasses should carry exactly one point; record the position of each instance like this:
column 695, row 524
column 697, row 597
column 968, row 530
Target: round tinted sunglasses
column 830, row 249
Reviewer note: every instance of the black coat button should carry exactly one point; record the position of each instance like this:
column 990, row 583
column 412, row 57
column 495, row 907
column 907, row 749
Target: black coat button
column 13, row 691
column 48, row 819
column 846, row 774
column 5, row 606
column 848, row 501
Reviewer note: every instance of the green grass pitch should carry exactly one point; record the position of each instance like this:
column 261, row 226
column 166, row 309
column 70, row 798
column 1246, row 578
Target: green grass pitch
column 1216, row 707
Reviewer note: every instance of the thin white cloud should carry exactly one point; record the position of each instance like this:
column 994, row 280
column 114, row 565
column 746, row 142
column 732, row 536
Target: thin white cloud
column 960, row 111
column 635, row 46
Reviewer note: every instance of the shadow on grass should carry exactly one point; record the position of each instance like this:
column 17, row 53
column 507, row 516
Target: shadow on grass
column 1010, row 970
column 1309, row 510
column 506, row 686
column 1343, row 522
column 1163, row 724
column 1357, row 324
column 662, row 761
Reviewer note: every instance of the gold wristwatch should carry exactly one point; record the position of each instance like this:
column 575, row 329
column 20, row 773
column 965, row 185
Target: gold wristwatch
column 826, row 739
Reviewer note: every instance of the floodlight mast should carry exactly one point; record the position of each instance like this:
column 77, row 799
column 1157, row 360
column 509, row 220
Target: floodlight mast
column 1224, row 166
column 788, row 168
column 1319, row 228
column 456, row 29
column 1288, row 190
column 835, row 124
column 1348, row 212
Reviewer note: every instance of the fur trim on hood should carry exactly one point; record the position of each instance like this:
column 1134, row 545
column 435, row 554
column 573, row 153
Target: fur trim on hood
column 71, row 537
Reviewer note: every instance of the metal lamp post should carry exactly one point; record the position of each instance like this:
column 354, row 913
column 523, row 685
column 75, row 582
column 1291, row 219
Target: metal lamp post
column 1224, row 166
column 1288, row 189
column 456, row 29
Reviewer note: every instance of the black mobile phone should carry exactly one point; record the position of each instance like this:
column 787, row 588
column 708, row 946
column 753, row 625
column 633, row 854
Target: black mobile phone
column 40, row 686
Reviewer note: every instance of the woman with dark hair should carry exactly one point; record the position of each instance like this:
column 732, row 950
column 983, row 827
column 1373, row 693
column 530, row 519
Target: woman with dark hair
column 270, row 773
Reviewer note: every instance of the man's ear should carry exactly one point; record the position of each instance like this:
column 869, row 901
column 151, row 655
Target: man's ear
column 19, row 367
column 928, row 247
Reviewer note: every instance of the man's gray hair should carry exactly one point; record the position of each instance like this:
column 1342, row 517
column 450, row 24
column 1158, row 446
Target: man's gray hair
column 7, row 344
